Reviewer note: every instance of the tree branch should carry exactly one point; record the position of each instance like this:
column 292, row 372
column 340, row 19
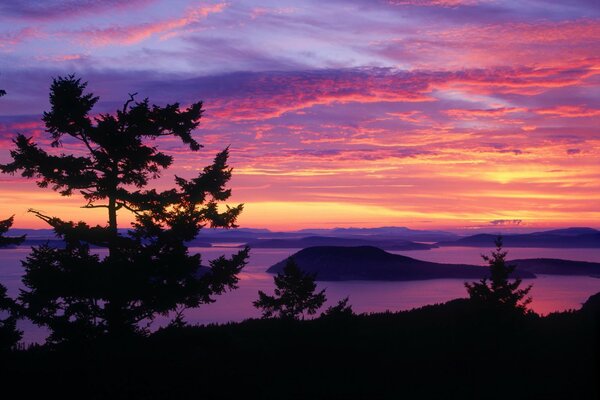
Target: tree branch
column 131, row 98
column 89, row 205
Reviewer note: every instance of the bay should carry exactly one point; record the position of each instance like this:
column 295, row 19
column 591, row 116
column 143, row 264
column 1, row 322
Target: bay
column 550, row 292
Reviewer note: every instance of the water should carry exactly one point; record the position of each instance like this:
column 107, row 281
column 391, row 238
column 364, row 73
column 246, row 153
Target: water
column 550, row 293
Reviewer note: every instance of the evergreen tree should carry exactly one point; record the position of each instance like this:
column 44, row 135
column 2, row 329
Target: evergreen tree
column 148, row 271
column 498, row 292
column 341, row 310
column 294, row 294
column 9, row 334
column 8, row 241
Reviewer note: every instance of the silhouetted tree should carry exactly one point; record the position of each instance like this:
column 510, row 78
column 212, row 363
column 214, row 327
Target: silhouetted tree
column 7, row 241
column 2, row 92
column 499, row 292
column 9, row 334
column 294, row 294
column 341, row 310
column 147, row 271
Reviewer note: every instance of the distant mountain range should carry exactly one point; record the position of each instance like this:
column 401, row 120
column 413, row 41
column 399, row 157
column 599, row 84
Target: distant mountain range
column 333, row 263
column 389, row 238
column 394, row 232
column 558, row 238
column 310, row 241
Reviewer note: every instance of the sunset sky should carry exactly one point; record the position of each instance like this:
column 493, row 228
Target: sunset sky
column 419, row 113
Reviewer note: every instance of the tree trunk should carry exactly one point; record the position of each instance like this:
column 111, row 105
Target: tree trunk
column 114, row 307
column 112, row 223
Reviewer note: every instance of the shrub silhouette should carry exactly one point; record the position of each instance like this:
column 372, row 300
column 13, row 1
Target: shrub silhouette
column 294, row 294
column 498, row 292
column 148, row 271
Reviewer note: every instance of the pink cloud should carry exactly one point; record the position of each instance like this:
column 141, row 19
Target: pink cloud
column 60, row 57
column 10, row 39
column 436, row 3
column 526, row 80
column 514, row 33
column 132, row 34
column 541, row 43
column 262, row 11
column 568, row 111
column 486, row 113
column 268, row 96
column 63, row 9
column 284, row 93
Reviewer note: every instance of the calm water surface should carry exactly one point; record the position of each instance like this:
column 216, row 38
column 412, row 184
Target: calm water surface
column 550, row 293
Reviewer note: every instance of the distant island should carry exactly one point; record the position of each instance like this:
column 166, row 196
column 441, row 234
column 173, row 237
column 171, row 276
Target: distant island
column 553, row 266
column 336, row 263
column 558, row 238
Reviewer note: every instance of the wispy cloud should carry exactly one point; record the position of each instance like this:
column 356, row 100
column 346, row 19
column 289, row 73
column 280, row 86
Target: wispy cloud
column 12, row 38
column 131, row 34
column 343, row 107
column 64, row 9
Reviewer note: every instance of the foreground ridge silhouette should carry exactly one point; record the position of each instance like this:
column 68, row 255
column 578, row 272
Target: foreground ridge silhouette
column 81, row 297
column 450, row 351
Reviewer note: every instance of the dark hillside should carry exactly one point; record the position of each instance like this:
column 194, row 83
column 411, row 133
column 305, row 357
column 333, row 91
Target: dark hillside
column 448, row 351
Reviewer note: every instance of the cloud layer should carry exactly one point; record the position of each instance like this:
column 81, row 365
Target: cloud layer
column 420, row 113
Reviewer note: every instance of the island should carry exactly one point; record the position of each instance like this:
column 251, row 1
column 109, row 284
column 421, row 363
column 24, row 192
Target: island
column 368, row 263
column 554, row 266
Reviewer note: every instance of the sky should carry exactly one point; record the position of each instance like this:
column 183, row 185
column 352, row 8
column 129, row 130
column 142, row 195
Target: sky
column 451, row 114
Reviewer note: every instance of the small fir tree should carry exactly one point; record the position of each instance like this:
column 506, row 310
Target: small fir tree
column 294, row 294
column 498, row 292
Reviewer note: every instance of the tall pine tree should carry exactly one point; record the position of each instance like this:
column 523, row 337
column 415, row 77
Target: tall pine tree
column 149, row 271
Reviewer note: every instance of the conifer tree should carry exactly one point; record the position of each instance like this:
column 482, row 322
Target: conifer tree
column 341, row 310
column 9, row 334
column 148, row 271
column 294, row 294
column 498, row 292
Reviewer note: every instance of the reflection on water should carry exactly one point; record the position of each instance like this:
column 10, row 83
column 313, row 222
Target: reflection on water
column 550, row 293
